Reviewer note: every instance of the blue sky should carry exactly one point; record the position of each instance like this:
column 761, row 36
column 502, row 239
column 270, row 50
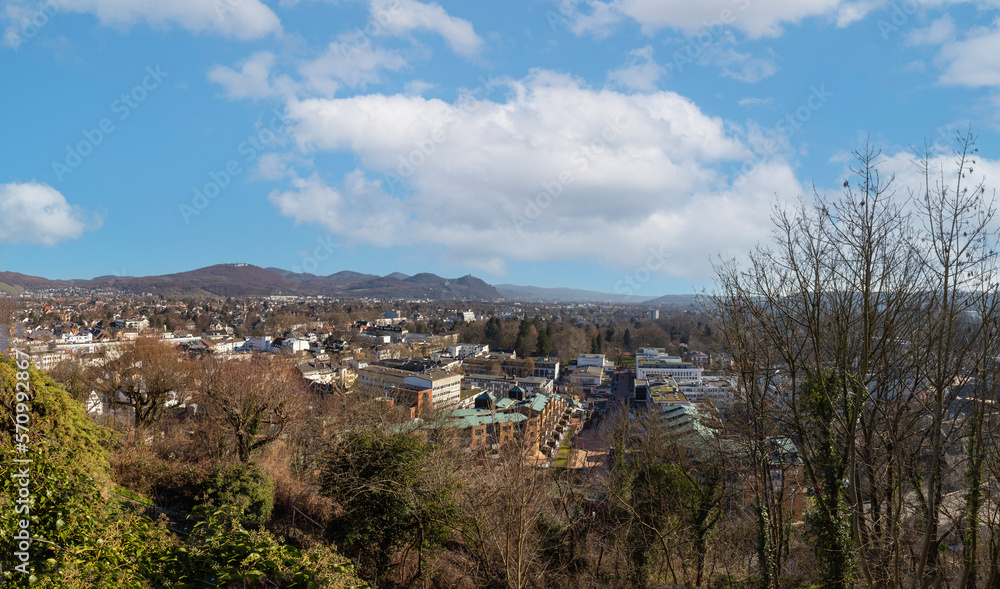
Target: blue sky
column 612, row 145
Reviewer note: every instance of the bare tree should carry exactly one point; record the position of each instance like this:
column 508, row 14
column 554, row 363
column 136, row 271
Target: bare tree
column 254, row 400
column 146, row 375
column 505, row 500
column 873, row 308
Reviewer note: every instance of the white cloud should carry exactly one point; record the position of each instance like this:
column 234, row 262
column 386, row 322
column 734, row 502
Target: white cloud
column 756, row 19
column 641, row 72
column 37, row 213
column 235, row 19
column 418, row 87
column 278, row 166
column 253, row 79
column 348, row 63
column 469, row 178
column 361, row 209
column 851, row 12
column 966, row 57
column 739, row 66
column 973, row 61
column 598, row 21
column 401, row 17
column 342, row 64
column 753, row 101
column 939, row 32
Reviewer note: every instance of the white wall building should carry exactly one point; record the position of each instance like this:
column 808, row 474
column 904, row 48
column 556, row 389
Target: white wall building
column 715, row 390
column 651, row 363
column 295, row 345
column 591, row 360
column 260, row 343
column 467, row 350
column 445, row 387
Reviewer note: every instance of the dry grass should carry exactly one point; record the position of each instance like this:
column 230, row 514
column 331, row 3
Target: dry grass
column 297, row 503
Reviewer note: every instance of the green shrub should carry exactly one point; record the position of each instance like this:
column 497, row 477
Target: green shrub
column 243, row 486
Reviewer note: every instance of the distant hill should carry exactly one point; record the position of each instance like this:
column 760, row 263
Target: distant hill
column 425, row 286
column 675, row 300
column 565, row 295
column 224, row 280
column 14, row 279
column 234, row 280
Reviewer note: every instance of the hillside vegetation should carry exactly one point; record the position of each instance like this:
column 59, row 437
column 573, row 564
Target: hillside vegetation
column 88, row 531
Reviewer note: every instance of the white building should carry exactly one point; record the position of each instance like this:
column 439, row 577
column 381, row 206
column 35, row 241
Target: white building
column 598, row 360
column 79, row 338
column 467, row 350
column 260, row 343
column 295, row 344
column 139, row 323
column 591, row 360
column 710, row 389
column 651, row 363
column 445, row 387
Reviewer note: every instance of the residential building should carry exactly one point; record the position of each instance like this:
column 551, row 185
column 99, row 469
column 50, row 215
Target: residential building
column 462, row 351
column 591, row 360
column 376, row 381
column 587, row 376
column 446, row 387
column 540, row 422
column 655, row 362
column 500, row 385
column 711, row 389
column 547, row 367
column 496, row 362
column 416, row 399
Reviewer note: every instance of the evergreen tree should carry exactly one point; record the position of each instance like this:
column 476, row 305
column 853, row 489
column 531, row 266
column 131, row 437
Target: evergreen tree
column 493, row 332
column 545, row 343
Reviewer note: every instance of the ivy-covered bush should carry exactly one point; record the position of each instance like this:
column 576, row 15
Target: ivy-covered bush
column 246, row 487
